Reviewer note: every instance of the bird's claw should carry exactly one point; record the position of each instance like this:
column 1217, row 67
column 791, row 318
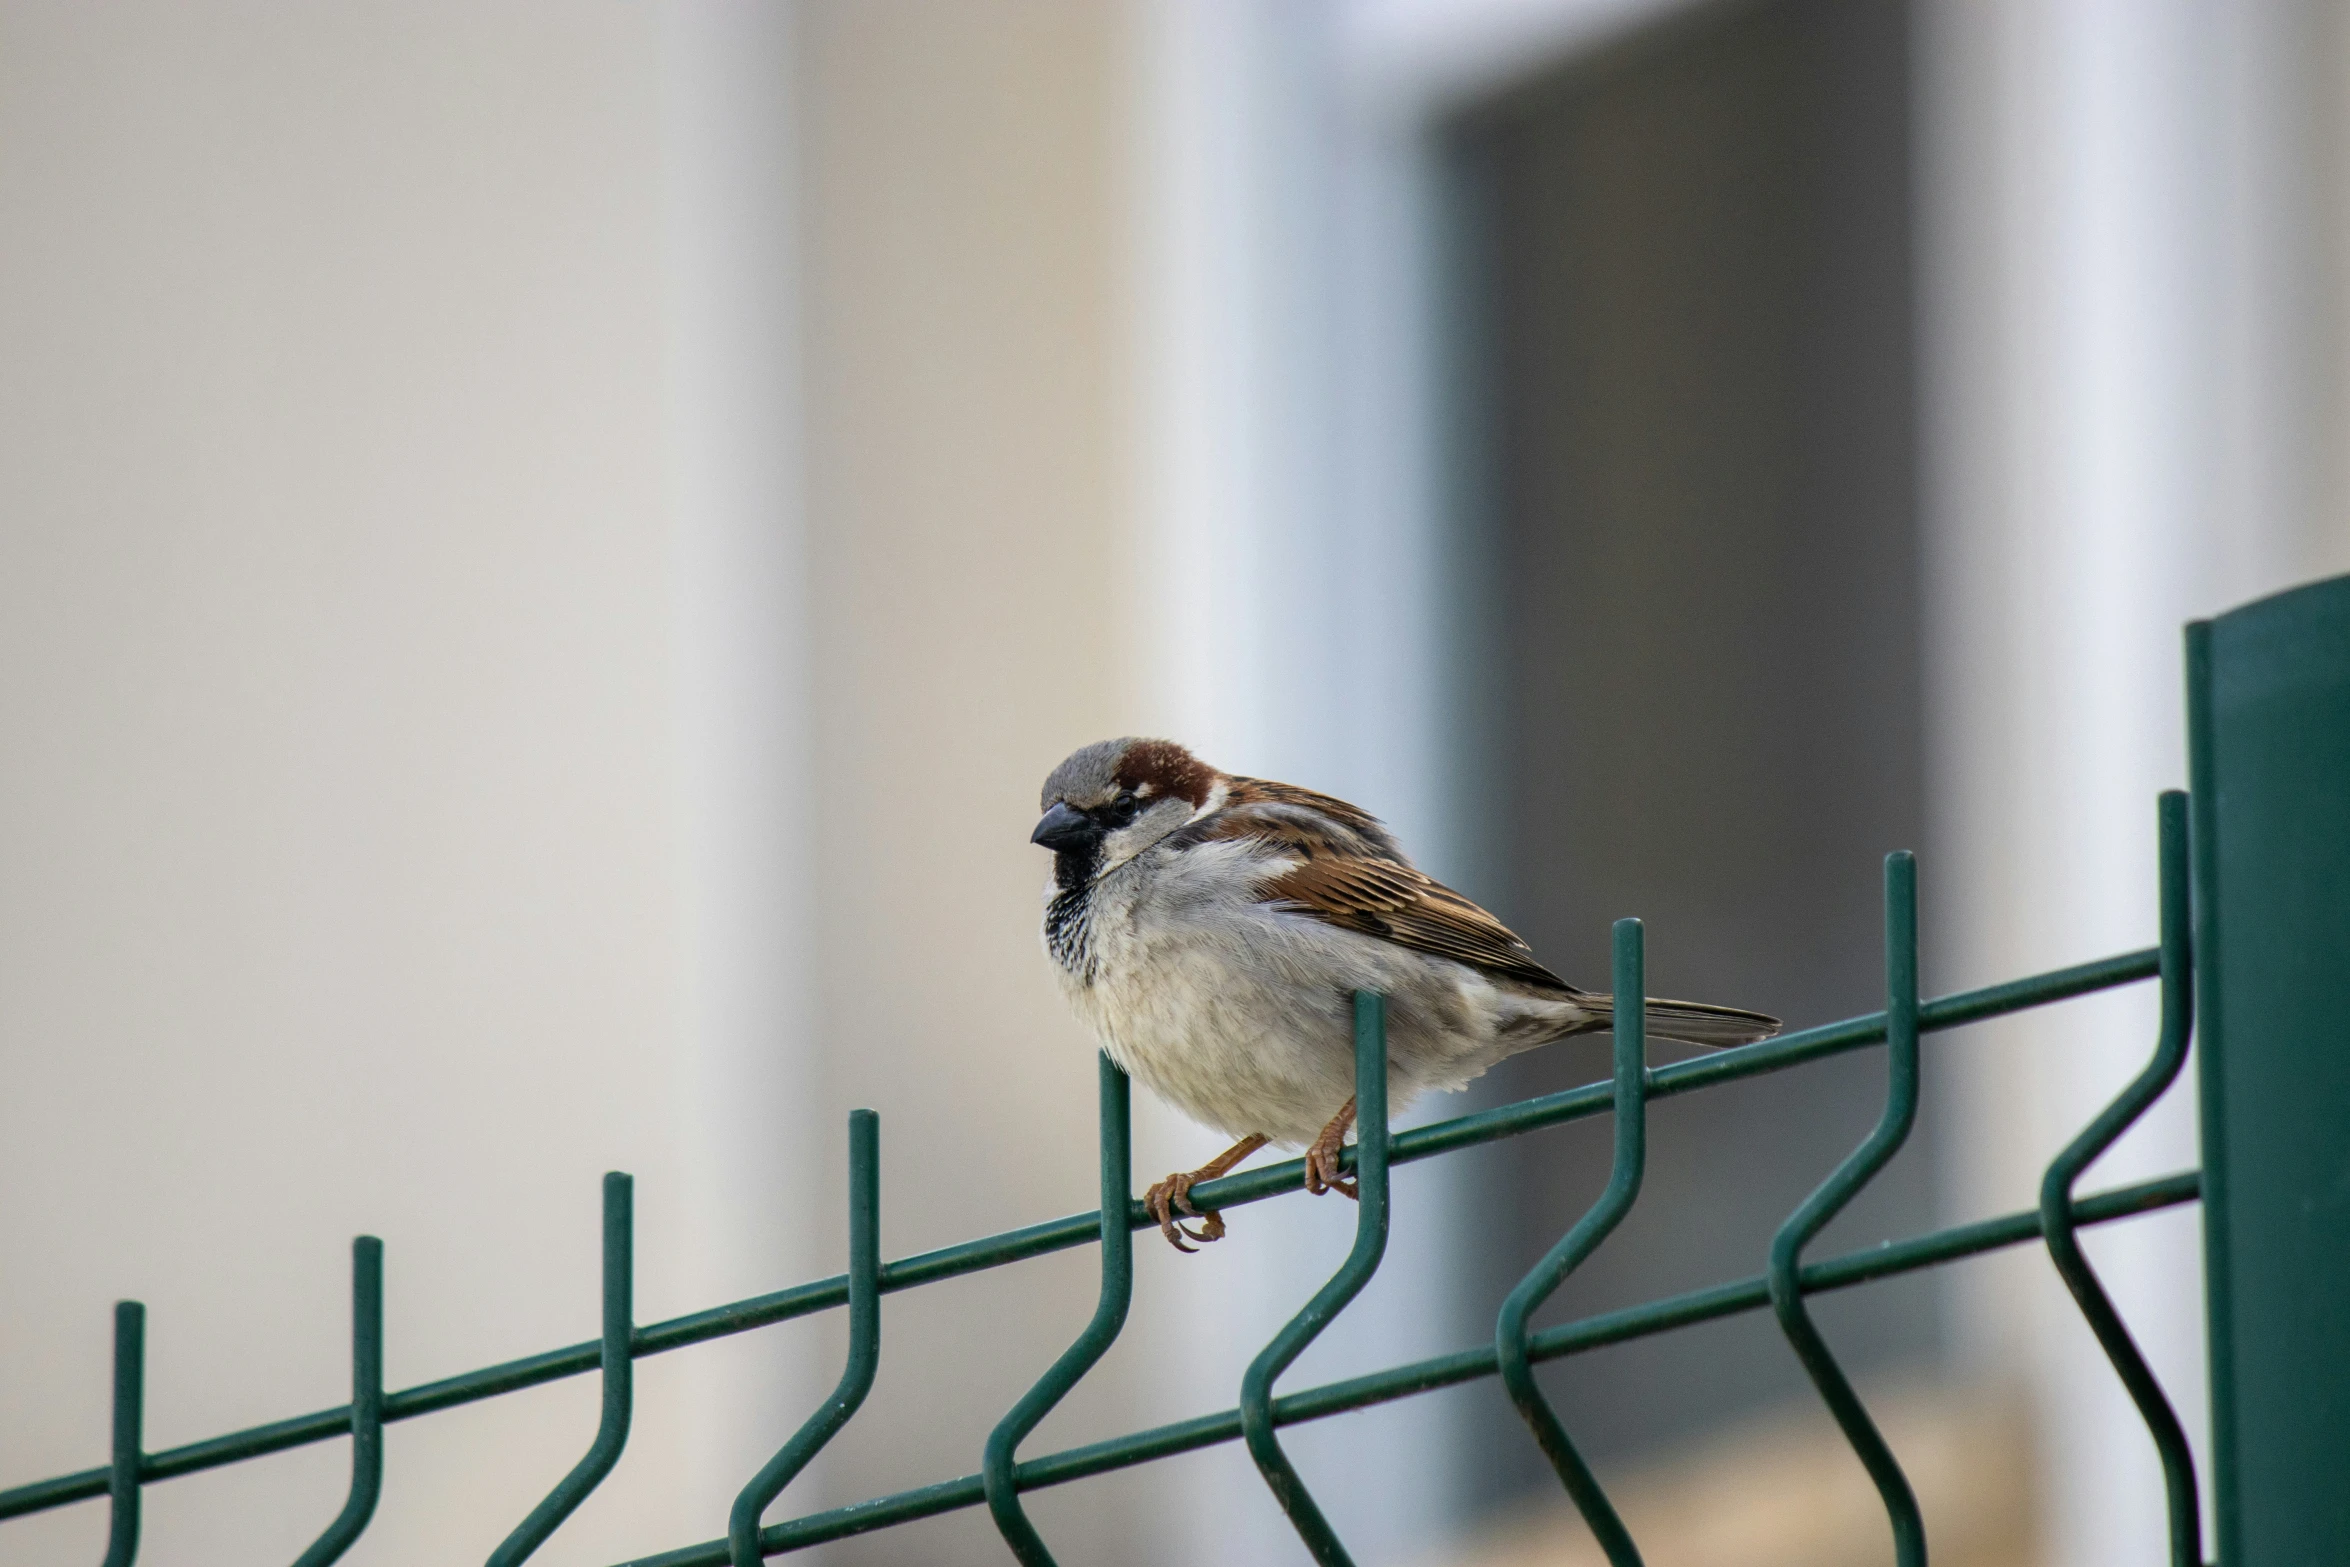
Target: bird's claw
column 1323, row 1170
column 1172, row 1196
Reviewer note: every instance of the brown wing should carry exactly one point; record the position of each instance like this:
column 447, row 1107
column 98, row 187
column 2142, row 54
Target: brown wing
column 1301, row 822
column 1353, row 874
column 1397, row 903
column 1406, row 908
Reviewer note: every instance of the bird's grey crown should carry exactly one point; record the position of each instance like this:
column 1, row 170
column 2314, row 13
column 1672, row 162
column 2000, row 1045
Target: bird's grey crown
column 1089, row 777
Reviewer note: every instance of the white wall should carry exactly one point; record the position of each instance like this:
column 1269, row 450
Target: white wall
column 373, row 847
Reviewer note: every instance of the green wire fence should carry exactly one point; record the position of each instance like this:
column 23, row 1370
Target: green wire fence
column 2249, row 767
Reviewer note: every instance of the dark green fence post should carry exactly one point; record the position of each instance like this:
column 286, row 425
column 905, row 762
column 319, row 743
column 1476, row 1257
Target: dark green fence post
column 2269, row 753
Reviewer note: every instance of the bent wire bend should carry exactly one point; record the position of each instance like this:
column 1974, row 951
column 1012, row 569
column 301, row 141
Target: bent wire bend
column 367, row 1407
column 618, row 1365
column 1857, row 1170
column 1109, row 1316
column 863, row 1344
column 130, row 1403
column 856, row 1378
column 2057, row 1220
column 1510, row 1347
column 1256, row 1388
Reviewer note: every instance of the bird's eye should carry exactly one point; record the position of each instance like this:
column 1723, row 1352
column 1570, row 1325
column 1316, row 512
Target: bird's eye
column 1122, row 810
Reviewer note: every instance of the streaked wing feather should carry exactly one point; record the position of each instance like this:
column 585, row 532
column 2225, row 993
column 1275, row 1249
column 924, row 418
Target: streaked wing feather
column 1399, row 904
column 1303, row 822
column 1351, row 873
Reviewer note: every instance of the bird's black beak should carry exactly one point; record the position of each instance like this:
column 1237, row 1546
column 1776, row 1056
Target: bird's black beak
column 1064, row 829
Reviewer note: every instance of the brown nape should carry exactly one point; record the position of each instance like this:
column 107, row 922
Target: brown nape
column 1167, row 769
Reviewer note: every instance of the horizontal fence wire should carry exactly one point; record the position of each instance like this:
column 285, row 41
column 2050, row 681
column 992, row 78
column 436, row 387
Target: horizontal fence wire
column 1426, row 1376
column 1260, row 1412
column 1079, row 1229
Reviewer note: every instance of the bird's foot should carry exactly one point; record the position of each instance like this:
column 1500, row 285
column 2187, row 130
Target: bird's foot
column 1324, row 1173
column 1172, row 1196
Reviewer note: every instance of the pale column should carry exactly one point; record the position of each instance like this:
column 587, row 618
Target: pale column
column 753, row 1123
column 2132, row 326
column 1293, row 628
column 968, row 545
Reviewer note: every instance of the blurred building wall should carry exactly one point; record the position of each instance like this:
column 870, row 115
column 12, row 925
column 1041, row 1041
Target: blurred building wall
column 2132, row 324
column 970, row 591
column 2135, row 300
column 379, row 833
column 419, row 653
column 486, row 708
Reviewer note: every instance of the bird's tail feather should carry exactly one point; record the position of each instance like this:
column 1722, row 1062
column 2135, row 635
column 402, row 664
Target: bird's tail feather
column 1691, row 1022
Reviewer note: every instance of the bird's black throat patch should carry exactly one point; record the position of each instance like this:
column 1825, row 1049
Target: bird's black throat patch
column 1068, row 919
column 1076, row 867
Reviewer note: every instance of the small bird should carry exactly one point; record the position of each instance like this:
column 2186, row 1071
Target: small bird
column 1212, row 930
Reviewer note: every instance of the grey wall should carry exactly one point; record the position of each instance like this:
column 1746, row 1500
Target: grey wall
column 1693, row 395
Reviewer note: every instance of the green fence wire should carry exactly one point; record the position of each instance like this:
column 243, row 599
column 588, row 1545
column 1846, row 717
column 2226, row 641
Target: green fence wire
column 1259, row 1415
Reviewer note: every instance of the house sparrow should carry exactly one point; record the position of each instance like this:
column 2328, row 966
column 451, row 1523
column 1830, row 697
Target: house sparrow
column 1212, row 930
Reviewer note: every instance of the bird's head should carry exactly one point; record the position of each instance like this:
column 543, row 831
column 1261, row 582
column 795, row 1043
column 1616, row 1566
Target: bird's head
column 1115, row 798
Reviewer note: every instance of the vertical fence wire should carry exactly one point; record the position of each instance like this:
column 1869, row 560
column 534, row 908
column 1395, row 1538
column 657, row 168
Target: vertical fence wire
column 856, row 1378
column 130, row 1407
column 1510, row 1330
column 1892, row 1129
column 1109, row 1317
column 2212, row 1122
column 2057, row 1221
column 618, row 1368
column 1256, row 1387
column 367, row 1407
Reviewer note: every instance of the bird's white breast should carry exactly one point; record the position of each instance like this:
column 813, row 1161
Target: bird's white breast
column 1240, row 1012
